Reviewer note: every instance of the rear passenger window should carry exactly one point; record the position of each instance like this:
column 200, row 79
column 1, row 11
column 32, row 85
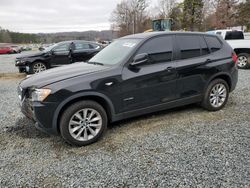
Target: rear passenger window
column 159, row 49
column 189, row 46
column 82, row 46
column 213, row 43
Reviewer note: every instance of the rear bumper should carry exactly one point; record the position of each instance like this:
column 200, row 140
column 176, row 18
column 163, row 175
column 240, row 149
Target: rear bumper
column 234, row 79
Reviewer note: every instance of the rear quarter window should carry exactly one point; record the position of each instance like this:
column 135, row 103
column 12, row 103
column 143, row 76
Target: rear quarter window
column 213, row 43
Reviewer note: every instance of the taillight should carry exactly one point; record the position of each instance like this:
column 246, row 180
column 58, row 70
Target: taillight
column 235, row 57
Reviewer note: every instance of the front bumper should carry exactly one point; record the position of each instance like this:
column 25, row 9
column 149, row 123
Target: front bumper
column 20, row 62
column 22, row 66
column 41, row 113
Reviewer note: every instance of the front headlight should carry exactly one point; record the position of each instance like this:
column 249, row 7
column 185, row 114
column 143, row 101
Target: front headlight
column 40, row 94
column 20, row 62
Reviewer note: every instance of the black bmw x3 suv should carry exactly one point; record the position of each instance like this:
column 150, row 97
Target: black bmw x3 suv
column 62, row 53
column 135, row 75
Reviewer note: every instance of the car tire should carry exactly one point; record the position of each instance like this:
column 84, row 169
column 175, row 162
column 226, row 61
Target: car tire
column 243, row 61
column 83, row 123
column 37, row 67
column 216, row 95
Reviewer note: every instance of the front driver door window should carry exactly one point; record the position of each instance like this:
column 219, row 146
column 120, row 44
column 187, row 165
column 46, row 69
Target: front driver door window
column 61, row 54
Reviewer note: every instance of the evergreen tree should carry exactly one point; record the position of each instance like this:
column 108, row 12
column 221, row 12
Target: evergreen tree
column 192, row 14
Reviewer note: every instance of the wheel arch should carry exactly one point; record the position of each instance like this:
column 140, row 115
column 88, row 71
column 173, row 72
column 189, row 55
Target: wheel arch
column 94, row 96
column 223, row 76
column 242, row 50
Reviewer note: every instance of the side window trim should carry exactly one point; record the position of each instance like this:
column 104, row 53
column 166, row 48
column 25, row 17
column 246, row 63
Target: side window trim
column 202, row 37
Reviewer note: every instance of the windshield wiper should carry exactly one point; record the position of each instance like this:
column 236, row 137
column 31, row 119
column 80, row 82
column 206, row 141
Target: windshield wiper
column 95, row 63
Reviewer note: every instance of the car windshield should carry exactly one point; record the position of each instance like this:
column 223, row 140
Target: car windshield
column 115, row 52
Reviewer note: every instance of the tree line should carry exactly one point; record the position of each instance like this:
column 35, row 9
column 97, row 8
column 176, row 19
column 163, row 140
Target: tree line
column 134, row 16
column 7, row 36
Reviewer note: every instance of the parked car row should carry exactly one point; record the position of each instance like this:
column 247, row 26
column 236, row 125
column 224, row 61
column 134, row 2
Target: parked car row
column 6, row 50
column 62, row 53
column 134, row 75
column 13, row 49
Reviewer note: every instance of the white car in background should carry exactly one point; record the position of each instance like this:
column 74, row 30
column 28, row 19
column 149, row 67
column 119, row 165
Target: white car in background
column 236, row 39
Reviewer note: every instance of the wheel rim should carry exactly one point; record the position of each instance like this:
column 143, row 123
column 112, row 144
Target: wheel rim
column 85, row 124
column 218, row 95
column 39, row 67
column 242, row 61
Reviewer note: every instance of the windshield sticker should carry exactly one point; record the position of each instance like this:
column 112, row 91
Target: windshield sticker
column 129, row 45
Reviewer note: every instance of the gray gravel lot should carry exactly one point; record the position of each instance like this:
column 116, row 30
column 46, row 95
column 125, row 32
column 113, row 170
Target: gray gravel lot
column 184, row 147
column 7, row 62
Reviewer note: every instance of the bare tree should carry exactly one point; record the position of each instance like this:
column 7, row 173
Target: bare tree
column 130, row 16
column 225, row 13
column 166, row 7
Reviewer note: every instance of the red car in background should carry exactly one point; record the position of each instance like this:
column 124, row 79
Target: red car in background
column 6, row 50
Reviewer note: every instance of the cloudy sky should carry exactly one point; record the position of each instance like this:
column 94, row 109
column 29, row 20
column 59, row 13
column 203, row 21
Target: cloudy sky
column 35, row 16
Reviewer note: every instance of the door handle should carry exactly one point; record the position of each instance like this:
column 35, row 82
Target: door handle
column 169, row 69
column 208, row 61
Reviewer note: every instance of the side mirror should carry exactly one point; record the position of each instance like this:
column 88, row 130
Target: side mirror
column 139, row 59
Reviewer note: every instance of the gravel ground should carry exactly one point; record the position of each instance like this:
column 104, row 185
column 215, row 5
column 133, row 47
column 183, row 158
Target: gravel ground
column 183, row 147
column 7, row 62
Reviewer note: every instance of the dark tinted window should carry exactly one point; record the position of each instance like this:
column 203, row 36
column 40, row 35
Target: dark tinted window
column 213, row 43
column 234, row 35
column 204, row 47
column 159, row 49
column 189, row 46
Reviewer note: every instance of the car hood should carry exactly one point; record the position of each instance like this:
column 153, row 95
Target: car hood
column 31, row 55
column 59, row 74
